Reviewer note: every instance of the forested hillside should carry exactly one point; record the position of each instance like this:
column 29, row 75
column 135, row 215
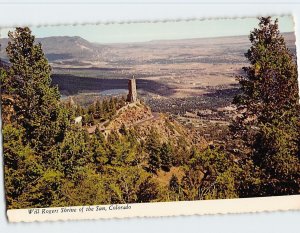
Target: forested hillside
column 121, row 152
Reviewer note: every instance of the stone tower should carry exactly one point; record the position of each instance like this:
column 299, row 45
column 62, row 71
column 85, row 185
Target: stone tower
column 132, row 94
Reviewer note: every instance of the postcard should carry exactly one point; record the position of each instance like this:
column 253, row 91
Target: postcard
column 150, row 119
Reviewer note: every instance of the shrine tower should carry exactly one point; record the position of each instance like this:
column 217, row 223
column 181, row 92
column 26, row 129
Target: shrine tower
column 132, row 93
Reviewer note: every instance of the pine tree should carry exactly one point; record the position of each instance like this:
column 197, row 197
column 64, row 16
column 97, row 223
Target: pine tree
column 166, row 156
column 99, row 109
column 268, row 124
column 74, row 154
column 7, row 99
column 99, row 150
column 174, row 184
column 269, row 86
column 153, row 149
column 123, row 129
column 91, row 109
column 99, row 136
column 36, row 103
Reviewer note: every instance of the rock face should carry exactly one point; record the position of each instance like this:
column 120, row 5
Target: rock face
column 131, row 115
column 132, row 94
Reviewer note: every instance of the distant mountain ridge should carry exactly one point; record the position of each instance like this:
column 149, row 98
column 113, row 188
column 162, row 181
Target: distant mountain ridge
column 63, row 48
column 75, row 48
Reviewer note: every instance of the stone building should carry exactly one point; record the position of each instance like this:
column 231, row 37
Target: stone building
column 132, row 93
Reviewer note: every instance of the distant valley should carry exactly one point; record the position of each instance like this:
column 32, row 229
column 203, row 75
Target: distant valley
column 169, row 69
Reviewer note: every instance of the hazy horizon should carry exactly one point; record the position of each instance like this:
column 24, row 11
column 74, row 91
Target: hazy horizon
column 139, row 32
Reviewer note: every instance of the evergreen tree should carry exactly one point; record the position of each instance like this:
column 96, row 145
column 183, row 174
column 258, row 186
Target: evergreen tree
column 99, row 109
column 180, row 154
column 122, row 101
column 268, row 124
column 7, row 99
column 153, row 149
column 211, row 174
column 74, row 154
column 99, row 149
column 174, row 184
column 91, row 109
column 36, row 103
column 105, row 105
column 113, row 105
column 99, row 136
column 129, row 185
column 166, row 156
column 28, row 183
column 123, row 129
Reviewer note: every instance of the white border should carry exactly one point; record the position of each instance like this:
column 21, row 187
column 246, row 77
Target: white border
column 33, row 14
column 183, row 208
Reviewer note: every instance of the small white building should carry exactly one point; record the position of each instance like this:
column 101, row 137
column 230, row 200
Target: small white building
column 78, row 120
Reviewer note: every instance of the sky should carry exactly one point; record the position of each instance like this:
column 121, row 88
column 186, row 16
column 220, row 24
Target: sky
column 170, row 30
